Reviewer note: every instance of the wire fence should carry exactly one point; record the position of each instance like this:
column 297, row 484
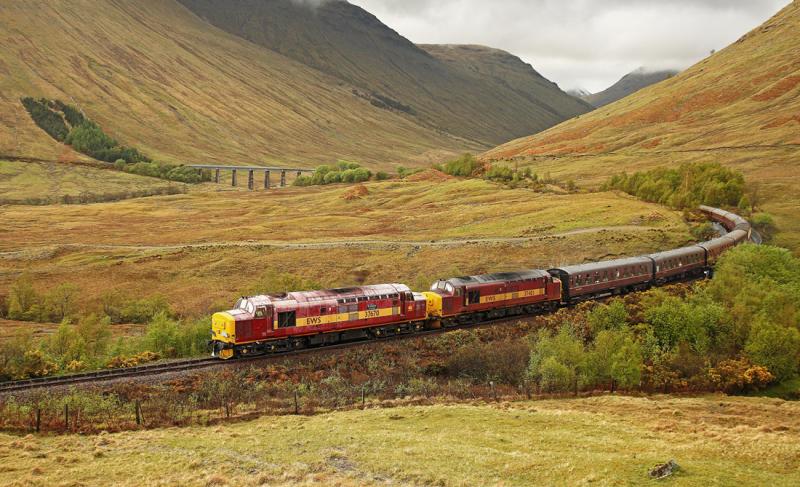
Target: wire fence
column 86, row 411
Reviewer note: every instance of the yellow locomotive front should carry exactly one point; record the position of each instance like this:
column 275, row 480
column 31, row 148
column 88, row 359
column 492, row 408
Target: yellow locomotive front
column 223, row 334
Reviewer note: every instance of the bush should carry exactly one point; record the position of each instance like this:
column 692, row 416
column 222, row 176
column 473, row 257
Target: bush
column 764, row 224
column 775, row 347
column 404, row 172
column 738, row 376
column 688, row 186
column 499, row 173
column 503, row 362
column 610, row 316
column 556, row 360
column 381, row 176
column 122, row 310
column 464, row 166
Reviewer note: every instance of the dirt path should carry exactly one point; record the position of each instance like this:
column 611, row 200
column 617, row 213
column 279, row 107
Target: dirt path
column 371, row 243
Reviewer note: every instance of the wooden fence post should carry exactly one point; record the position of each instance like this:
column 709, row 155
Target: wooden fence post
column 494, row 392
column 38, row 419
column 363, row 397
column 296, row 403
column 138, row 409
column 66, row 416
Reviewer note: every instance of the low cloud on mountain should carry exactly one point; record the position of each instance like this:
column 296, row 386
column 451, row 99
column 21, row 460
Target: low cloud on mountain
column 581, row 43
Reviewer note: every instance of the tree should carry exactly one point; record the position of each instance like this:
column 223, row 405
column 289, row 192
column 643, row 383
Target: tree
column 775, row 347
column 96, row 334
column 60, row 302
column 66, row 344
column 627, row 364
column 608, row 316
column 556, row 360
column 614, row 359
column 22, row 299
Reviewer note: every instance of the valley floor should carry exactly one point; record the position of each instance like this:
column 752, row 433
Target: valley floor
column 606, row 440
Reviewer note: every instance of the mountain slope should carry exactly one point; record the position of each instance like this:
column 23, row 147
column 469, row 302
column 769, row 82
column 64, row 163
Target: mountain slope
column 155, row 76
column 740, row 107
column 349, row 43
column 627, row 85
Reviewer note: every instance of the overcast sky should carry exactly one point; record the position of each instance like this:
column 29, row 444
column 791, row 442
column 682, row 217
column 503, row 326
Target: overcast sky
column 586, row 44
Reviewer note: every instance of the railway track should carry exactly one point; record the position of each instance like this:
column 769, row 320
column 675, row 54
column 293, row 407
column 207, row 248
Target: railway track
column 200, row 363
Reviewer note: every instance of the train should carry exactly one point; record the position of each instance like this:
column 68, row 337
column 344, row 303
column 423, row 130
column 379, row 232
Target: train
column 283, row 322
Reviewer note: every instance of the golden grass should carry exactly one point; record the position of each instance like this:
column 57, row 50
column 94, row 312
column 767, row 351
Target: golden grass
column 203, row 248
column 737, row 107
column 607, row 440
column 42, row 182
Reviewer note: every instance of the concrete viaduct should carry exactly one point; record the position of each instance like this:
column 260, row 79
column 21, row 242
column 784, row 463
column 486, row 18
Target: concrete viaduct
column 251, row 171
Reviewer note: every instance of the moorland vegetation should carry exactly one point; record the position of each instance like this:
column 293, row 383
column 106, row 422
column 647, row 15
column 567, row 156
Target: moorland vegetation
column 735, row 334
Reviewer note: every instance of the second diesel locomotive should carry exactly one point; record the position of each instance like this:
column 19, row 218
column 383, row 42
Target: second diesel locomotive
column 296, row 320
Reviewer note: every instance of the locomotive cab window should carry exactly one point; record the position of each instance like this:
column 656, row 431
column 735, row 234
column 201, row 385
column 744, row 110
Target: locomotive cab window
column 287, row 319
column 261, row 312
column 473, row 297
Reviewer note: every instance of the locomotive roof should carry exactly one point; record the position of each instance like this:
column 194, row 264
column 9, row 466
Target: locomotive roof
column 497, row 277
column 603, row 265
column 331, row 294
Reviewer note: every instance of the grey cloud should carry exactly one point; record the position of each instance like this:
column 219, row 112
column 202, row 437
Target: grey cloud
column 581, row 43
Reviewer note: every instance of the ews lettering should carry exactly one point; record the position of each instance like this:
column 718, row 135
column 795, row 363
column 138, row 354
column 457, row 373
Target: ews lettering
column 314, row 320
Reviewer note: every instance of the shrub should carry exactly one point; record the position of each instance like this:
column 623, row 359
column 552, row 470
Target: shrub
column 23, row 300
column 464, row 166
column 737, row 376
column 503, row 362
column 775, row 347
column 765, row 225
column 556, row 360
column 122, row 310
column 688, row 186
column 608, row 316
column 381, row 176
column 499, row 173
column 404, row 172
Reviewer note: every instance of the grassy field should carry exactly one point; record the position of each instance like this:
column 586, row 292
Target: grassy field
column 203, row 248
column 606, row 440
column 50, row 182
column 738, row 107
